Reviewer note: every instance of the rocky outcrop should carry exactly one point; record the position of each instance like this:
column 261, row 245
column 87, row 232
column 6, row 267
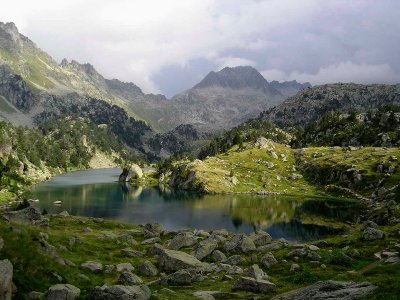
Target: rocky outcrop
column 28, row 215
column 253, row 285
column 333, row 290
column 6, row 276
column 131, row 172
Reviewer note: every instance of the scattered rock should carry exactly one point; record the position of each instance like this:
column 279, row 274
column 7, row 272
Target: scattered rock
column 261, row 238
column 148, row 269
column 294, row 268
column 151, row 241
column 239, row 244
column 128, row 278
column 253, row 285
column 205, row 248
column 128, row 252
column 62, row 291
column 121, row 292
column 235, row 260
column 182, row 277
column 183, row 239
column 172, row 260
column 270, row 247
column 367, row 224
column 218, row 256
column 27, row 215
column 109, row 269
column 256, row 272
column 268, row 260
column 6, row 275
column 124, row 267
column 334, row 290
column 371, row 234
column 211, row 295
column 64, row 214
column 92, row 266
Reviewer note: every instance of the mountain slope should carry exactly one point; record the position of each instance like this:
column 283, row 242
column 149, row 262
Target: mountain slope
column 311, row 104
column 225, row 99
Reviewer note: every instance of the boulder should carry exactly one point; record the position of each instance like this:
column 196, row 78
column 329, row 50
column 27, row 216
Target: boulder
column 92, row 266
column 172, row 260
column 205, row 248
column 256, row 272
column 128, row 278
column 332, row 290
column 234, row 260
column 132, row 171
column 121, row 292
column 218, row 256
column 148, row 269
column 268, row 260
column 151, row 241
column 27, row 215
column 249, row 284
column 294, row 268
column 370, row 234
column 124, row 267
column 367, row 224
column 183, row 239
column 240, row 244
column 6, row 275
column 211, row 295
column 128, row 252
column 182, row 277
column 270, row 247
column 62, row 291
column 261, row 238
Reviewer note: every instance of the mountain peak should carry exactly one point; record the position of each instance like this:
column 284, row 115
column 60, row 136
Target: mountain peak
column 10, row 38
column 235, row 78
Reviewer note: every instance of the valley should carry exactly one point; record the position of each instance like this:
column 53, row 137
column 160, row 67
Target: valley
column 236, row 188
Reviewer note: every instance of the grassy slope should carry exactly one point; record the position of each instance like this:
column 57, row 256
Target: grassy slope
column 249, row 166
column 34, row 271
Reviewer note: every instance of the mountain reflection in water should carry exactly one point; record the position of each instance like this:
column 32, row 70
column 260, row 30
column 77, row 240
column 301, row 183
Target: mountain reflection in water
column 96, row 193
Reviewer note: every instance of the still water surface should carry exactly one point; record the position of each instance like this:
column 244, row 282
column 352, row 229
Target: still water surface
column 97, row 193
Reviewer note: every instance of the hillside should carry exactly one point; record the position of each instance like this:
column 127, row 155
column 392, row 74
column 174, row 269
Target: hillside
column 311, row 104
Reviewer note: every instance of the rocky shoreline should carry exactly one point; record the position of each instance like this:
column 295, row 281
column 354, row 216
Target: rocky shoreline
column 92, row 258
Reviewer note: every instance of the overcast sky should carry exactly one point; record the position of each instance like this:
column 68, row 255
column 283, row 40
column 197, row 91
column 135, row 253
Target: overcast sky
column 167, row 46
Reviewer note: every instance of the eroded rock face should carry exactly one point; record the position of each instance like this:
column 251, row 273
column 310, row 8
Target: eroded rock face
column 6, row 275
column 332, row 290
column 121, row 292
column 62, row 291
column 171, row 260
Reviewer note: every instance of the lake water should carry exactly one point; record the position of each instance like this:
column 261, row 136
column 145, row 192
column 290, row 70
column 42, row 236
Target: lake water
column 97, row 193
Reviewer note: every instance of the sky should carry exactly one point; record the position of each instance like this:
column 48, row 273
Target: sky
column 167, row 46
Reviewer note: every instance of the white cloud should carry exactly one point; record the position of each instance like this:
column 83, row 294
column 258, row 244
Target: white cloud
column 231, row 61
column 342, row 72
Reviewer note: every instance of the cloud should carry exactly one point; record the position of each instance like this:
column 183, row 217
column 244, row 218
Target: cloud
column 342, row 72
column 231, row 61
column 148, row 42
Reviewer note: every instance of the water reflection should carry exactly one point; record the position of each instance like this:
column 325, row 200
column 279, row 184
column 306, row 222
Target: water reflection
column 96, row 193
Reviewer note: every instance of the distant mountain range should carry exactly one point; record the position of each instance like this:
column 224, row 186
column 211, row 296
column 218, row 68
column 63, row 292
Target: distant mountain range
column 221, row 100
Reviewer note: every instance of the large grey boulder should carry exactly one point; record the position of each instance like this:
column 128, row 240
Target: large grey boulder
column 371, row 234
column 148, row 269
column 132, row 171
column 121, row 292
column 332, row 290
column 62, row 292
column 268, row 260
column 128, row 278
column 92, row 266
column 249, row 284
column 261, row 238
column 27, row 215
column 256, row 272
column 183, row 239
column 239, row 244
column 182, row 277
column 171, row 260
column 205, row 248
column 6, row 275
